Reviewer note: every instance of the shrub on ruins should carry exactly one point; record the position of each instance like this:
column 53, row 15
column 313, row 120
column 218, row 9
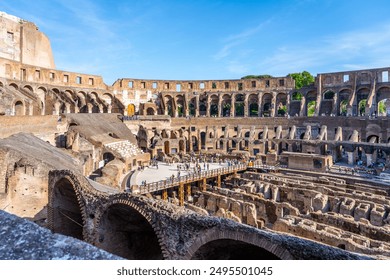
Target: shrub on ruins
column 302, row 79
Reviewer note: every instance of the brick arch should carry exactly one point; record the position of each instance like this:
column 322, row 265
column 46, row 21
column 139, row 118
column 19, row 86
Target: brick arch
column 54, row 178
column 250, row 238
column 139, row 209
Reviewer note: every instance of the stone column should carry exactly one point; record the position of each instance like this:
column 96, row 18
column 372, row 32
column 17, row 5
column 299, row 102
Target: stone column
column 232, row 106
column 273, row 105
column 56, row 108
column 109, row 108
column 67, row 105
column 288, row 102
column 351, row 159
column 246, row 106
column 30, row 109
column 197, row 106
column 302, row 111
column 208, row 107
column 369, row 159
column 181, row 194
column 89, row 106
column 259, row 100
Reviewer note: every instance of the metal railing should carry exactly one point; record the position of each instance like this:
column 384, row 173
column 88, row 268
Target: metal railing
column 190, row 178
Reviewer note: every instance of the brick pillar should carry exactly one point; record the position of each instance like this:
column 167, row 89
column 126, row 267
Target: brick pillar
column 181, row 194
column 165, row 194
column 219, row 181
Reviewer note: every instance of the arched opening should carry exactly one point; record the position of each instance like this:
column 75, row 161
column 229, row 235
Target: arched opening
column 19, row 108
column 383, row 102
column 266, row 104
column 362, row 96
column 253, row 110
column 239, row 105
column 169, row 105
column 281, row 104
column 327, row 103
column 373, row 139
column 203, row 105
column 227, row 249
column 226, row 105
column 343, row 108
column 107, row 157
column 123, row 231
column 150, row 112
column 67, row 218
column 343, row 97
column 180, row 105
column 192, row 107
column 311, row 103
column 203, row 140
column 362, row 107
column 214, row 106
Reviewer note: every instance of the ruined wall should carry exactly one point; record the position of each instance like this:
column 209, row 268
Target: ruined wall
column 21, row 41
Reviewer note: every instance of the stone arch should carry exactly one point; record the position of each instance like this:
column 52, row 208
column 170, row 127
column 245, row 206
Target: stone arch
column 181, row 106
column 343, row 97
column 327, row 102
column 169, row 105
column 203, row 105
column 281, row 104
column 226, row 105
column 107, row 97
column 93, row 95
column 239, row 105
column 14, row 86
column 66, row 211
column 295, row 104
column 274, row 250
column 311, row 103
column 19, row 108
column 266, row 104
column 192, row 106
column 150, row 111
column 29, row 88
column 214, row 109
column 383, row 101
column 373, row 138
column 361, row 100
column 253, row 105
column 124, row 229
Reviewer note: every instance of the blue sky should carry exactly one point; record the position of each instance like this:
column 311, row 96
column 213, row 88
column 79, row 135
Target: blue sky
column 207, row 39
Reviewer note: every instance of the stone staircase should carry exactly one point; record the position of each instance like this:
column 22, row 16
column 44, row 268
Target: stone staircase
column 124, row 148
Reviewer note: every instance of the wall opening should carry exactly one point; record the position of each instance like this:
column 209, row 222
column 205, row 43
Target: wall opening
column 67, row 218
column 227, row 249
column 123, row 231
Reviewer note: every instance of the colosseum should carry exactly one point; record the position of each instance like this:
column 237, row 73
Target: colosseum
column 252, row 168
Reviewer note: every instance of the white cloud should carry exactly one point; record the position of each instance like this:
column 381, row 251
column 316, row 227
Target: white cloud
column 237, row 39
column 352, row 50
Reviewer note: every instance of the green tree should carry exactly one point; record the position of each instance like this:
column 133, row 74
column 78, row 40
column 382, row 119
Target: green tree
column 265, row 76
column 382, row 107
column 302, row 79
